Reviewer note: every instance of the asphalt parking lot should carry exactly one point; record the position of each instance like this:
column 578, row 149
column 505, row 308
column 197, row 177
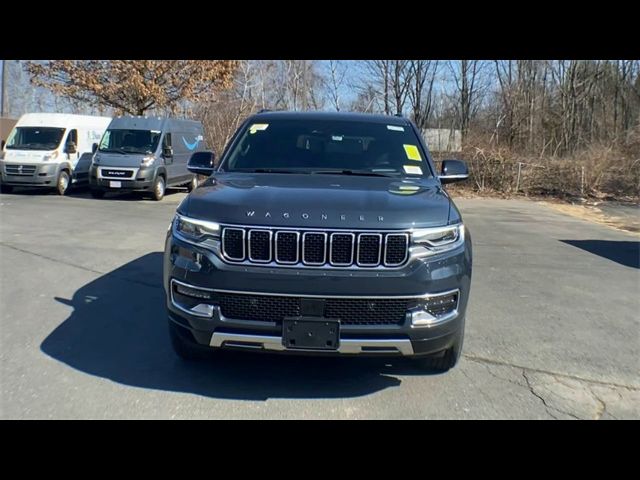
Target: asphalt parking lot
column 553, row 326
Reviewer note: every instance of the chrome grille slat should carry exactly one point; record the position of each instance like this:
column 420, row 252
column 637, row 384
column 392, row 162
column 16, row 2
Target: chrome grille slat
column 260, row 248
column 363, row 248
column 393, row 249
column 331, row 248
column 309, row 246
column 338, row 248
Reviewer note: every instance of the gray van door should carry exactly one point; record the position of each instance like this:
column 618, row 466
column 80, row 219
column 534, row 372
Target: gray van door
column 185, row 143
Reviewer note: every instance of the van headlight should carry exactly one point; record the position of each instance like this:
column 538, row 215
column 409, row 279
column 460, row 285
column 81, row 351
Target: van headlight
column 439, row 239
column 147, row 161
column 194, row 229
column 51, row 156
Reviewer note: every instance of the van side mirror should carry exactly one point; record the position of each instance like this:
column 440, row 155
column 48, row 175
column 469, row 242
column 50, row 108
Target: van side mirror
column 167, row 152
column 453, row 171
column 202, row 163
column 71, row 147
column 94, row 148
column 2, row 144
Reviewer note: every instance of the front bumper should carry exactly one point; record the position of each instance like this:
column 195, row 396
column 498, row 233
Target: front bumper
column 143, row 180
column 44, row 175
column 193, row 266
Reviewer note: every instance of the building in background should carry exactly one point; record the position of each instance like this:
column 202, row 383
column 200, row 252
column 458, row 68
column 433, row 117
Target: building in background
column 443, row 139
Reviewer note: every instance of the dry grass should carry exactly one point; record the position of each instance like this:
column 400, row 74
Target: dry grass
column 601, row 172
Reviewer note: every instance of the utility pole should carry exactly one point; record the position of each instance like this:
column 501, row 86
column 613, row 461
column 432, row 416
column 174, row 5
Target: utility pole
column 4, row 87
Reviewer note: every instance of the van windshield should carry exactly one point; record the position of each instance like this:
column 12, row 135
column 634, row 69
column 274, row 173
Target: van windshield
column 35, row 138
column 322, row 146
column 130, row 141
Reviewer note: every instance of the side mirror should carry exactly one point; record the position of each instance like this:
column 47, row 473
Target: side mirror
column 453, row 171
column 71, row 148
column 94, row 148
column 167, row 152
column 202, row 163
column 2, row 144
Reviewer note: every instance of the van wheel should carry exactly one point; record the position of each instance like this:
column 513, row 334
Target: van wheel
column 193, row 184
column 62, row 185
column 97, row 193
column 443, row 362
column 158, row 188
column 6, row 188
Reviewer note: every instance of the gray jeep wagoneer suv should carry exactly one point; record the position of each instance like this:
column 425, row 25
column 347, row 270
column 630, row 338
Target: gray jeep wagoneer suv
column 321, row 233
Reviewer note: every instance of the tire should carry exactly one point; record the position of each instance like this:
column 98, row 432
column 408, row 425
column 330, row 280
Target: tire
column 6, row 188
column 159, row 187
column 97, row 193
column 63, row 183
column 193, row 184
column 443, row 362
column 186, row 349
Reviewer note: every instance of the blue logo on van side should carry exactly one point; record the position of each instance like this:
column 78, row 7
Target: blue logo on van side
column 191, row 146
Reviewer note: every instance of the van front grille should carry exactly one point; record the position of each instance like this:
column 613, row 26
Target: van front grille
column 15, row 169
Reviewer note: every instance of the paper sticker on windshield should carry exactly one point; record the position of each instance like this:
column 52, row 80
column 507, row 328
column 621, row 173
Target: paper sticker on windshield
column 409, row 188
column 258, row 127
column 396, row 128
column 412, row 169
column 412, row 152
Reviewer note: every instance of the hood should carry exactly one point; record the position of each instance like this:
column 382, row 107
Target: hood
column 27, row 156
column 319, row 201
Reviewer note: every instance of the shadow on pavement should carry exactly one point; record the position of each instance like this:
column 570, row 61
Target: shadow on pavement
column 625, row 253
column 118, row 330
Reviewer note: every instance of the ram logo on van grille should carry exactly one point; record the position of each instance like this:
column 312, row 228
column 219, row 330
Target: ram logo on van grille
column 117, row 173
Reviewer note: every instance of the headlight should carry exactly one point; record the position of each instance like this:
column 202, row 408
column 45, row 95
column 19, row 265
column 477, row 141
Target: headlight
column 96, row 159
column 194, row 229
column 51, row 156
column 439, row 239
column 147, row 161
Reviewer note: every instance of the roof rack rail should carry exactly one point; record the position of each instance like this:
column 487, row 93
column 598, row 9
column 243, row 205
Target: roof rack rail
column 398, row 115
column 262, row 110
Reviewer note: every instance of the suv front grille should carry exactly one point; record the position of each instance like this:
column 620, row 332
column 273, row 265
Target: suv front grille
column 350, row 311
column 312, row 248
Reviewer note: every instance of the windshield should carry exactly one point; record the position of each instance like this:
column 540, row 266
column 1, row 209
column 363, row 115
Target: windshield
column 322, row 146
column 130, row 141
column 35, row 138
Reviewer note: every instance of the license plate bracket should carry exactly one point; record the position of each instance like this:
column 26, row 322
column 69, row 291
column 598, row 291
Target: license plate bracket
column 115, row 184
column 311, row 333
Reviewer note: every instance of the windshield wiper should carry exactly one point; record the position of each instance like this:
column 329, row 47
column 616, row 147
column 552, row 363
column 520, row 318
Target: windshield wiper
column 114, row 150
column 364, row 173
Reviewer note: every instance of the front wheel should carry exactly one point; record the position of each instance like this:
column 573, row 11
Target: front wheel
column 445, row 361
column 193, row 184
column 185, row 349
column 62, row 185
column 158, row 188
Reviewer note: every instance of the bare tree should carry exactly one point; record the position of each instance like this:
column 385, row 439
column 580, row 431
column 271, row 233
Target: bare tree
column 466, row 75
column 334, row 82
column 420, row 90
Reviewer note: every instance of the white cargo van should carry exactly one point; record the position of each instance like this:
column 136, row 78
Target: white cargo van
column 50, row 150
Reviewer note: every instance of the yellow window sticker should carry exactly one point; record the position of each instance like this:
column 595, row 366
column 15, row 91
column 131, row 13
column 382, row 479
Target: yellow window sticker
column 258, row 127
column 412, row 152
column 410, row 188
column 412, row 169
